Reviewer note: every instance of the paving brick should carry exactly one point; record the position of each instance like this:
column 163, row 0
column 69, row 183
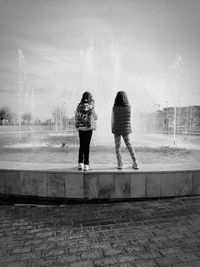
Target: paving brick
column 188, row 249
column 176, row 236
column 66, row 243
column 125, row 264
column 55, row 252
column 170, row 243
column 188, row 264
column 4, row 251
column 82, row 264
column 34, row 231
column 86, row 242
column 91, row 255
column 17, row 264
column 140, row 241
column 78, row 249
column 55, row 239
column 47, row 263
column 119, row 226
column 47, row 234
column 128, row 258
column 154, row 246
column 33, row 242
column 188, row 257
column 44, row 247
column 101, row 228
column 161, row 238
column 149, row 263
column 133, row 249
column 149, row 255
column 113, row 252
column 30, row 256
column 99, row 246
column 167, row 261
column 170, row 251
column 196, row 264
column 68, row 258
column 191, row 240
column 9, row 258
column 123, row 237
column 8, row 242
column 21, row 250
column 105, row 261
column 120, row 244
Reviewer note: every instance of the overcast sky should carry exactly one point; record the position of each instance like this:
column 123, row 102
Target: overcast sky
column 68, row 46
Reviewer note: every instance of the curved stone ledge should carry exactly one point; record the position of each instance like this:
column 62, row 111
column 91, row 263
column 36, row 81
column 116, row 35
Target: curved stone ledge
column 99, row 184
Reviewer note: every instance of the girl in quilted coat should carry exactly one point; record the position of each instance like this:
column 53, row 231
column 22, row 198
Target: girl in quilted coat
column 121, row 126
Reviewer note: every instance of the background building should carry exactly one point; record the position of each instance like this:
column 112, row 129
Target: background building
column 184, row 119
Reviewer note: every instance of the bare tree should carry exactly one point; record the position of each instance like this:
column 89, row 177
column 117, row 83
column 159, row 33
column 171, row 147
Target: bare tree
column 26, row 118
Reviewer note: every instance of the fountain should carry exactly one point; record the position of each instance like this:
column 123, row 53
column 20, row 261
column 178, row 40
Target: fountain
column 100, row 73
column 41, row 147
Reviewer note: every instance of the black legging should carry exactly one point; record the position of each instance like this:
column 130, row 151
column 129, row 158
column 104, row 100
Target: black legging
column 84, row 149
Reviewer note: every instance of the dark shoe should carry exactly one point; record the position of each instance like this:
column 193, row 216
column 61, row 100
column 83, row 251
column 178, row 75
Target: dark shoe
column 135, row 166
column 120, row 167
column 80, row 166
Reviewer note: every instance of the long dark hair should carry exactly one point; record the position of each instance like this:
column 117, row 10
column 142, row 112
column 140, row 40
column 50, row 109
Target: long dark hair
column 121, row 100
column 87, row 98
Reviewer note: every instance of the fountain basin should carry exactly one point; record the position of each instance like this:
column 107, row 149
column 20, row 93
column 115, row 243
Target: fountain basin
column 101, row 182
column 50, row 171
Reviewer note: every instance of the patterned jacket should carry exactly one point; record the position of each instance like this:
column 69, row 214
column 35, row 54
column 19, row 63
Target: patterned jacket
column 83, row 116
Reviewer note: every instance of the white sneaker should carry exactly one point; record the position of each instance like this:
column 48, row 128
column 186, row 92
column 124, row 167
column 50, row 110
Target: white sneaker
column 120, row 167
column 80, row 166
column 86, row 167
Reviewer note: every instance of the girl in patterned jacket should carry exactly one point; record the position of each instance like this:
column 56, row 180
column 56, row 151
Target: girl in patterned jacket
column 85, row 118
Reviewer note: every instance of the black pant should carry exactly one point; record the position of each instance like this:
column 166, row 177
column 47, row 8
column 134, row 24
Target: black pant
column 84, row 149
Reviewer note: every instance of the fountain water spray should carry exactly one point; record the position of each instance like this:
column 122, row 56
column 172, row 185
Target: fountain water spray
column 21, row 76
column 177, row 68
column 100, row 70
column 23, row 90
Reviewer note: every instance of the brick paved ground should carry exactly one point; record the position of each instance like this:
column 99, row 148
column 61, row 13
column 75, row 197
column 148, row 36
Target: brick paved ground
column 126, row 234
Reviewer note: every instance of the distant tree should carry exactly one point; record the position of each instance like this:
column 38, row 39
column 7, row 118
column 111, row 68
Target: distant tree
column 26, row 118
column 5, row 115
column 37, row 121
column 71, row 123
column 59, row 117
column 2, row 115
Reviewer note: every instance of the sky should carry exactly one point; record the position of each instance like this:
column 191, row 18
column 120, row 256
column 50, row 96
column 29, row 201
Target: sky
column 148, row 48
